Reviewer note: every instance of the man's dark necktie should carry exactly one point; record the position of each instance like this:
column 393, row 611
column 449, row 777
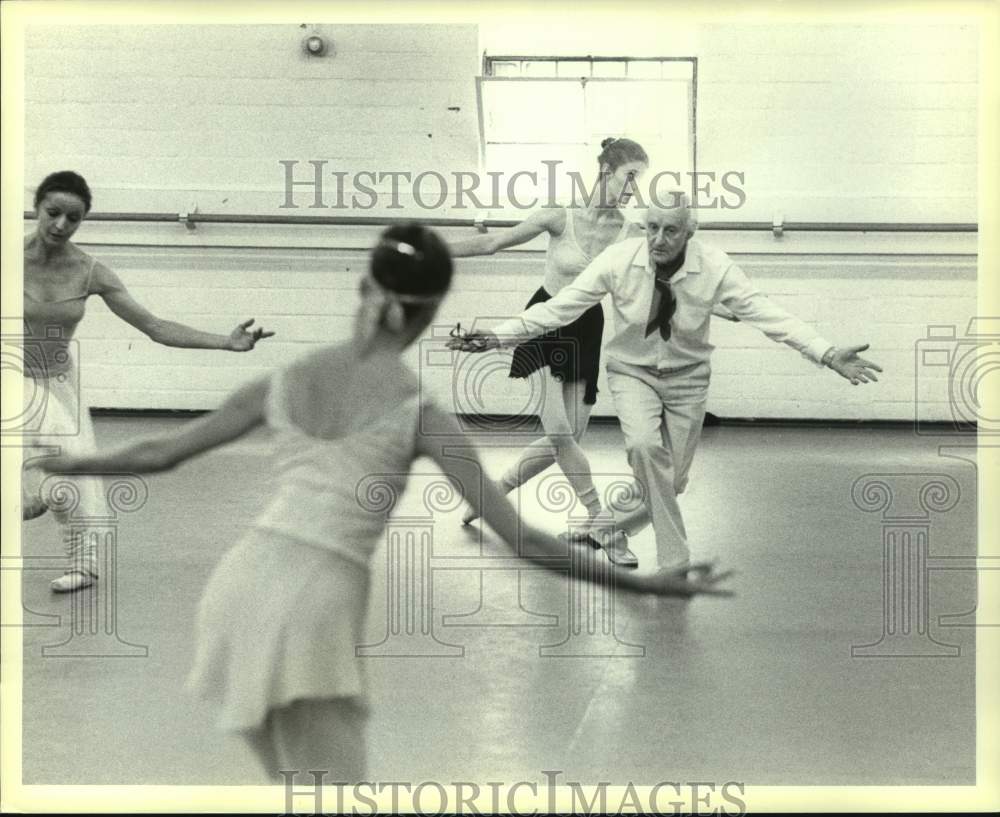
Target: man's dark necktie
column 668, row 305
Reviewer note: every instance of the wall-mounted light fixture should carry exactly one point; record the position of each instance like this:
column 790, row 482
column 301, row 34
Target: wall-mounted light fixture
column 317, row 46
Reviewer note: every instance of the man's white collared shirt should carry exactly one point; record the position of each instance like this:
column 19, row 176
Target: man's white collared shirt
column 706, row 278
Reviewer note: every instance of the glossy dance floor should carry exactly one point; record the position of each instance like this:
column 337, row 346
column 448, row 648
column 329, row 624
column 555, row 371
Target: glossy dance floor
column 813, row 674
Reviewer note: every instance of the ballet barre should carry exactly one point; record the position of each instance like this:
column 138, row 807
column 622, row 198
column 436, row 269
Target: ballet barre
column 192, row 218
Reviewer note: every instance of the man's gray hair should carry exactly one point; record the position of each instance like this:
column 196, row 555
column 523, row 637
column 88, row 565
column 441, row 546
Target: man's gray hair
column 676, row 200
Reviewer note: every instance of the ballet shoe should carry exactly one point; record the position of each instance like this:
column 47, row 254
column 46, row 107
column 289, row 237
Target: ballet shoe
column 469, row 516
column 617, row 550
column 72, row 581
column 614, row 543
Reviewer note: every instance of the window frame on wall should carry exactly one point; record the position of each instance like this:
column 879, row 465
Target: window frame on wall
column 491, row 63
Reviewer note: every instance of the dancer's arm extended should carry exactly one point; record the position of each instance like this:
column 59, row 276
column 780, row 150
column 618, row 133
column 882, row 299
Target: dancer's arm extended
column 241, row 412
column 586, row 290
column 542, row 221
column 464, row 468
column 751, row 306
column 170, row 333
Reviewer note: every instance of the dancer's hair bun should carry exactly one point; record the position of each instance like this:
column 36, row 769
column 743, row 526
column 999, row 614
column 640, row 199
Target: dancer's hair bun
column 410, row 259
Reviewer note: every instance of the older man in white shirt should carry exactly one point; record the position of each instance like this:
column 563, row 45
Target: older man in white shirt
column 664, row 288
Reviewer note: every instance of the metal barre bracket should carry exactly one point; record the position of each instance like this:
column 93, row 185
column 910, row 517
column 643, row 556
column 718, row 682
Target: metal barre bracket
column 185, row 217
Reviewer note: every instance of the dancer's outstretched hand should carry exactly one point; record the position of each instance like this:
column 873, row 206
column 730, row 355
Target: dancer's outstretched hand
column 848, row 364
column 698, row 578
column 474, row 342
column 240, row 340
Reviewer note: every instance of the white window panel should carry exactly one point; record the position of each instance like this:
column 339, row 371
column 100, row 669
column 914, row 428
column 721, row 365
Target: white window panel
column 506, row 69
column 574, row 68
column 532, row 111
column 643, row 69
column 609, row 69
column 527, row 121
column 541, row 68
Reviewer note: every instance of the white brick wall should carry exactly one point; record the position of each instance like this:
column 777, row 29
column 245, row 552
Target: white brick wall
column 309, row 296
column 839, row 123
column 829, row 122
column 165, row 118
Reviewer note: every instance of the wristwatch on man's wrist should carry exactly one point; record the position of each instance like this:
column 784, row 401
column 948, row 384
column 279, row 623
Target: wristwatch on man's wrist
column 828, row 356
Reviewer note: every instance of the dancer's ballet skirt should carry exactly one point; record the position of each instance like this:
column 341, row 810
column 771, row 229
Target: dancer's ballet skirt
column 283, row 612
column 572, row 352
column 55, row 421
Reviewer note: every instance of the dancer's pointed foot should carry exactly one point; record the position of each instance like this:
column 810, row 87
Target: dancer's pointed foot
column 72, row 581
column 469, row 516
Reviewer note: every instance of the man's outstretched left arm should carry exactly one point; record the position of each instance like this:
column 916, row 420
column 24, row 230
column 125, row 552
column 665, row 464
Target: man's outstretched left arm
column 750, row 305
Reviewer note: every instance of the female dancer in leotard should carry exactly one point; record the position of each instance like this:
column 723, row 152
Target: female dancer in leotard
column 572, row 354
column 283, row 611
column 58, row 279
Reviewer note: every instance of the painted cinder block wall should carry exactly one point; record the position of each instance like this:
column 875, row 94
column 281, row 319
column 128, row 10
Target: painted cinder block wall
column 837, row 124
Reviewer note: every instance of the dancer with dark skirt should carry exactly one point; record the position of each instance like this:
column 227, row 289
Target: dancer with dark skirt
column 283, row 611
column 568, row 359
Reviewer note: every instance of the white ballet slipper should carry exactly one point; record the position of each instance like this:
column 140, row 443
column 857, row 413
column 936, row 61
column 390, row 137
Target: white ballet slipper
column 613, row 541
column 72, row 581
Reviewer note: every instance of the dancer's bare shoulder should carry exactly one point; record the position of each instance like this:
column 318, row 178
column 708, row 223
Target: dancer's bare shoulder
column 550, row 219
